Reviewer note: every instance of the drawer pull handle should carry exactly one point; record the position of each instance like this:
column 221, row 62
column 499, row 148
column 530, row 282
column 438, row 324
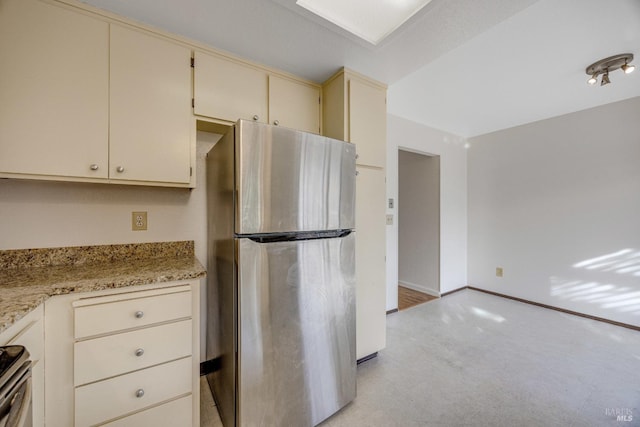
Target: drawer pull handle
column 139, row 393
column 139, row 352
column 139, row 314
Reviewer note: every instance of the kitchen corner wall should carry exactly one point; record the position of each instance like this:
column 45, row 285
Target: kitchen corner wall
column 412, row 136
column 556, row 203
column 41, row 214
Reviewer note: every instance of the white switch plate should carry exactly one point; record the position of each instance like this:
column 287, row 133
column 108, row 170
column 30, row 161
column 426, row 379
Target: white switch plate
column 389, row 219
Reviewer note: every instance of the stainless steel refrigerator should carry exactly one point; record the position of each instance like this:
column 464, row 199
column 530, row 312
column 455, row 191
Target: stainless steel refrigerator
column 281, row 276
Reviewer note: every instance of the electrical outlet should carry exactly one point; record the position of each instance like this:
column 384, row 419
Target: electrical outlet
column 389, row 219
column 138, row 221
column 499, row 272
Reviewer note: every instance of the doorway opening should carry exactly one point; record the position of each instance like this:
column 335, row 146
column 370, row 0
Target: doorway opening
column 418, row 228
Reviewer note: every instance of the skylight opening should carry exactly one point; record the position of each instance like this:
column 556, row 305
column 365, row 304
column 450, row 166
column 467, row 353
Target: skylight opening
column 369, row 21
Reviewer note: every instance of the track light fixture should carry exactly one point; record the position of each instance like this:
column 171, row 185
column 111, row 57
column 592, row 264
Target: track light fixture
column 604, row 66
column 628, row 69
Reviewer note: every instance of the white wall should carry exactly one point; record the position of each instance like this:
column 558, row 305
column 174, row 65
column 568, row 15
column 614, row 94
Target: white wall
column 402, row 133
column 419, row 222
column 42, row 214
column 556, row 203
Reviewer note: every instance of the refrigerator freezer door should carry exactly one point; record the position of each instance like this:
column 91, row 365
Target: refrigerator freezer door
column 288, row 180
column 296, row 354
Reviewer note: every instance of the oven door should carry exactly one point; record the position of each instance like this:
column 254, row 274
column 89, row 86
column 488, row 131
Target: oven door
column 15, row 399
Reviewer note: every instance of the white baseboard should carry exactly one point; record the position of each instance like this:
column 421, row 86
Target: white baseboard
column 420, row 288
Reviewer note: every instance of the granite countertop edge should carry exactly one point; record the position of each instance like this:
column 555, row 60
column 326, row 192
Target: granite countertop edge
column 23, row 290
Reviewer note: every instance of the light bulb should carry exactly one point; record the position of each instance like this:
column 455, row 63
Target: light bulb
column 593, row 80
column 628, row 69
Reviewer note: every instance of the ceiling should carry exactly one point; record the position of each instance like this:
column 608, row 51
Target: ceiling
column 464, row 66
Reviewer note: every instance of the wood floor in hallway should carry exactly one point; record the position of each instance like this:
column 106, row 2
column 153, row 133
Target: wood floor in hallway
column 410, row 298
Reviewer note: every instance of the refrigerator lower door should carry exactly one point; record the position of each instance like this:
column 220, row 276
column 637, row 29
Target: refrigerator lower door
column 296, row 344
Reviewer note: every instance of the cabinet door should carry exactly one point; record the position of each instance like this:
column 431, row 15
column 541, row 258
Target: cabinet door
column 294, row 105
column 150, row 108
column 228, row 90
column 368, row 122
column 370, row 261
column 54, row 90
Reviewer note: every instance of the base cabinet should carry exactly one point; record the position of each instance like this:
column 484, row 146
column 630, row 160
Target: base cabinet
column 124, row 357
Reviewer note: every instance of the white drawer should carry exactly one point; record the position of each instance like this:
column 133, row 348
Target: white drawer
column 112, row 355
column 109, row 399
column 102, row 315
column 178, row 412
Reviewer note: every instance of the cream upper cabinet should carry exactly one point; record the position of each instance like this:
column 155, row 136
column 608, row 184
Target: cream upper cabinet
column 294, row 104
column 150, row 108
column 54, row 91
column 368, row 122
column 228, row 90
column 370, row 261
column 355, row 110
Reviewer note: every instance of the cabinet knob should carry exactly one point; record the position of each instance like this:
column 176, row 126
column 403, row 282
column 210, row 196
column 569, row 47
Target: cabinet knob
column 357, row 156
column 139, row 392
column 120, row 169
column 139, row 352
column 256, row 118
column 139, row 314
column 93, row 167
column 357, row 173
column 276, row 122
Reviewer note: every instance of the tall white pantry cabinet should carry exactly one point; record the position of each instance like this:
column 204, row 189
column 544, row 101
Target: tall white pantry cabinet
column 355, row 110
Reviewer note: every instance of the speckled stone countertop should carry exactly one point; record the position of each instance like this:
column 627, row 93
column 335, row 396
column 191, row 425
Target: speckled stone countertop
column 28, row 277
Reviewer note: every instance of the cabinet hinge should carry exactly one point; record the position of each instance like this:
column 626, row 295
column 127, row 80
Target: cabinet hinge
column 193, row 62
column 190, row 170
column 318, row 100
column 193, row 103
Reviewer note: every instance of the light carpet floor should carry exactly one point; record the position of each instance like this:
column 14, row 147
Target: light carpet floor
column 472, row 359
